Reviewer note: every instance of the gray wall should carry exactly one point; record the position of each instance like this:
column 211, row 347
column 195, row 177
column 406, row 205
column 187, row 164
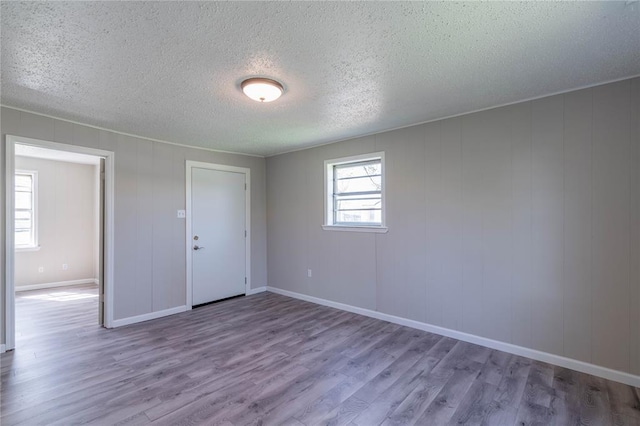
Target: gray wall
column 519, row 224
column 67, row 223
column 149, row 188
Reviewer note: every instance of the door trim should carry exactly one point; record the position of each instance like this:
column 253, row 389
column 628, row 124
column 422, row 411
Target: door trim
column 190, row 165
column 9, row 322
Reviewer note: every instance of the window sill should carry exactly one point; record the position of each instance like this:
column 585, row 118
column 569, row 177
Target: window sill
column 36, row 248
column 374, row 229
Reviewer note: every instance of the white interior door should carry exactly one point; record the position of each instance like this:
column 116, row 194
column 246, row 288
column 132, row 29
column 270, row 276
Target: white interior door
column 218, row 234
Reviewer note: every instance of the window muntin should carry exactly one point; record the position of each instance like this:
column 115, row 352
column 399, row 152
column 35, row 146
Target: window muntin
column 25, row 209
column 355, row 191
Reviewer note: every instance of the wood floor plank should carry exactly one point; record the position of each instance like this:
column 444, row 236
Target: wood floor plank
column 624, row 401
column 452, row 394
column 263, row 404
column 494, row 369
column 288, row 405
column 531, row 413
column 595, row 406
column 566, row 402
column 272, row 360
column 314, row 412
column 565, row 409
column 504, row 409
column 539, row 388
column 417, row 402
column 383, row 402
column 398, row 368
column 475, row 405
column 626, row 421
column 344, row 413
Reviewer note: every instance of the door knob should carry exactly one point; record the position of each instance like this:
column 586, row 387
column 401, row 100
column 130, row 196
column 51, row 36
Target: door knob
column 196, row 247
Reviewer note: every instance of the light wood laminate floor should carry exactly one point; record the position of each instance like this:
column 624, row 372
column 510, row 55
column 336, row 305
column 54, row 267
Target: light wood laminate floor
column 272, row 360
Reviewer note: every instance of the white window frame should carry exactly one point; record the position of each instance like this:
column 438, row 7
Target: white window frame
column 34, row 246
column 329, row 225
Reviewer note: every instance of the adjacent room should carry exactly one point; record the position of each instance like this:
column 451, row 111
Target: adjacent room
column 57, row 241
column 304, row 213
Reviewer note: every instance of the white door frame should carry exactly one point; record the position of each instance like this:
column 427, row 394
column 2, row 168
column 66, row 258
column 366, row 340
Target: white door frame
column 9, row 306
column 247, row 180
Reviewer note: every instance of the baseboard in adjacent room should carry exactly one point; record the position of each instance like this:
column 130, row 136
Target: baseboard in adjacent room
column 256, row 290
column 58, row 284
column 584, row 367
column 149, row 316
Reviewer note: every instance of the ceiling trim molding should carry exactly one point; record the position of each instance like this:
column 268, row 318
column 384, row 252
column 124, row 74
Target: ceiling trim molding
column 562, row 92
column 588, row 86
column 129, row 134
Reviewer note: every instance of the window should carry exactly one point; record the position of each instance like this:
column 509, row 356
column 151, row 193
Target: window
column 26, row 229
column 355, row 193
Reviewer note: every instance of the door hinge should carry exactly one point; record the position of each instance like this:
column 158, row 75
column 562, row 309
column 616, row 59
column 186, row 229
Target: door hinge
column 245, row 233
column 245, row 280
column 245, row 186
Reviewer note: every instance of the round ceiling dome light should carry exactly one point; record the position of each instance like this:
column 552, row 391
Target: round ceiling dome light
column 262, row 89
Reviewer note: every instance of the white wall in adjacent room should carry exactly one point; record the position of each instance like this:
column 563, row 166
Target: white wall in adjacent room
column 67, row 221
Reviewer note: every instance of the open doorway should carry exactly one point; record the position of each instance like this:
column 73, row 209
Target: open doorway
column 57, row 241
column 59, row 238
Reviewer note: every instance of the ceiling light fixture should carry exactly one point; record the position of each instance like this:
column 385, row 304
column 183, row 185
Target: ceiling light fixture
column 262, row 89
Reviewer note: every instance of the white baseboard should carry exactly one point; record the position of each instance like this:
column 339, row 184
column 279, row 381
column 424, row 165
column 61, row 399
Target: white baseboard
column 129, row 320
column 584, row 367
column 58, row 284
column 149, row 316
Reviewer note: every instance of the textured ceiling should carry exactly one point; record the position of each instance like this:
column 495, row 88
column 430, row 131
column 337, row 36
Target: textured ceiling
column 172, row 70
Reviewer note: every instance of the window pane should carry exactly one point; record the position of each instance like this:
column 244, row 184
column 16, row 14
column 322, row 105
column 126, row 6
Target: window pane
column 355, row 195
column 24, row 213
column 364, row 184
column 359, row 203
column 23, row 183
column 23, row 220
column 362, row 217
column 23, row 237
column 358, row 170
column 23, row 200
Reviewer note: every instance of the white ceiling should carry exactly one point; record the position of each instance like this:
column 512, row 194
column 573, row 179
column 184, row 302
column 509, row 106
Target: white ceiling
column 53, row 154
column 172, row 70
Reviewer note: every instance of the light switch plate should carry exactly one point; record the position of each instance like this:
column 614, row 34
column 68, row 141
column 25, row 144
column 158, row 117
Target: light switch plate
column 182, row 214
